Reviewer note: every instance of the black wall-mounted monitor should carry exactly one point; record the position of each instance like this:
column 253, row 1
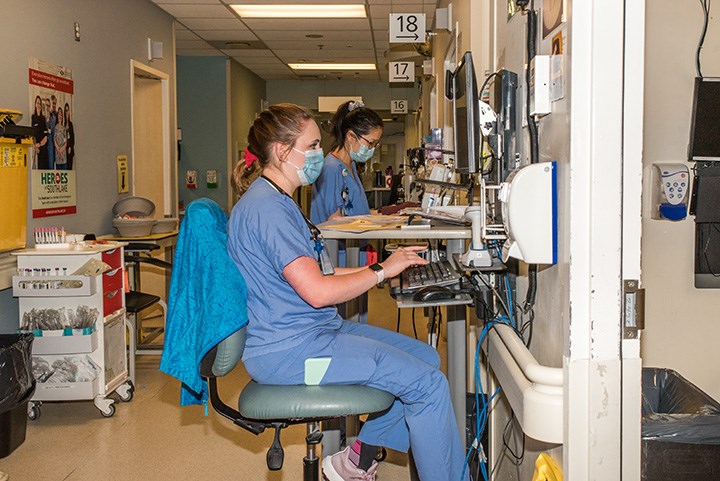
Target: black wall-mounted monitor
column 466, row 116
column 705, row 124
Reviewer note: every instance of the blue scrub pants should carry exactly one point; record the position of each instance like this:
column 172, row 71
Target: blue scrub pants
column 421, row 417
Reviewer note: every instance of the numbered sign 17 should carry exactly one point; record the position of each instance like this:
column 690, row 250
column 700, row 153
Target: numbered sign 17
column 402, row 71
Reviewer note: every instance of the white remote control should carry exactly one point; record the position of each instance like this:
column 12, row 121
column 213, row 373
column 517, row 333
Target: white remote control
column 675, row 184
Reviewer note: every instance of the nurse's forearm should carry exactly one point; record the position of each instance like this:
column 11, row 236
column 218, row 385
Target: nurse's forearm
column 343, row 271
column 305, row 277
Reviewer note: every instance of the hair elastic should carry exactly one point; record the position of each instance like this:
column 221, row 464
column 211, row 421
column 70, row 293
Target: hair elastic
column 249, row 158
column 355, row 104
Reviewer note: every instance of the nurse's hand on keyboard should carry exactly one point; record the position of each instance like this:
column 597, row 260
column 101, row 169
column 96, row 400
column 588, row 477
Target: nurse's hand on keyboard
column 401, row 259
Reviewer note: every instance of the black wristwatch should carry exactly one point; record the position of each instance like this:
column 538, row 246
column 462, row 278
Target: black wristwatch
column 379, row 272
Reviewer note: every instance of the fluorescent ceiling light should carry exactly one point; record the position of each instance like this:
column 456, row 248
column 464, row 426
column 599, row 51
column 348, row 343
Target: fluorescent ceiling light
column 300, row 11
column 332, row 66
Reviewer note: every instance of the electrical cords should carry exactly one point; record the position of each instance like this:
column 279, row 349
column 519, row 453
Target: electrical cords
column 483, row 169
column 705, row 4
column 481, row 415
column 517, row 458
column 534, row 141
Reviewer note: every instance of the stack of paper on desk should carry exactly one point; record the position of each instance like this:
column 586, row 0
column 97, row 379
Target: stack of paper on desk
column 364, row 223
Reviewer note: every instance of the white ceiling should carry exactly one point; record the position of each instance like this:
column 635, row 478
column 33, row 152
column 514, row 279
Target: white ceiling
column 266, row 46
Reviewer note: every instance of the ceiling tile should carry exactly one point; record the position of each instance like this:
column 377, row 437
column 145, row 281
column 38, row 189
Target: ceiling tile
column 308, row 44
column 359, row 56
column 185, row 34
column 396, row 3
column 197, row 11
column 203, row 52
column 385, row 10
column 259, row 61
column 183, row 44
column 290, row 2
column 205, row 2
column 248, row 53
column 320, row 24
column 295, row 35
column 228, row 35
column 211, row 23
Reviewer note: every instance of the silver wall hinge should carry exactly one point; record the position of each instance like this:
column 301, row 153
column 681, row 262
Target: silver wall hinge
column 633, row 308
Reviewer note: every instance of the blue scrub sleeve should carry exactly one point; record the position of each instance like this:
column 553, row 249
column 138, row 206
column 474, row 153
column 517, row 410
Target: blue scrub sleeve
column 285, row 238
column 330, row 186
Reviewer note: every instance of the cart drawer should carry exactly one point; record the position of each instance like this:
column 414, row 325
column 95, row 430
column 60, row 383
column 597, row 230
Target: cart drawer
column 112, row 280
column 113, row 258
column 112, row 301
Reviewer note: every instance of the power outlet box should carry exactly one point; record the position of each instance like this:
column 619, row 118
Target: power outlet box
column 540, row 85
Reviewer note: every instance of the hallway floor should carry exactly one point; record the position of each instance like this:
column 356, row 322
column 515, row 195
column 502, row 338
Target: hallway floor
column 152, row 438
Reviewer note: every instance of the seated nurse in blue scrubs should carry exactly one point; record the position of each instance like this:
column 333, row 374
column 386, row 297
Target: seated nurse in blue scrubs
column 292, row 316
column 338, row 191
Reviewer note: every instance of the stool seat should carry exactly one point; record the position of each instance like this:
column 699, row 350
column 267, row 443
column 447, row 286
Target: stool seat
column 137, row 301
column 273, row 402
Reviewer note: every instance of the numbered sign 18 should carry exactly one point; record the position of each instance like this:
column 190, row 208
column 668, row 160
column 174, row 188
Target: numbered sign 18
column 402, row 71
column 398, row 106
column 407, row 28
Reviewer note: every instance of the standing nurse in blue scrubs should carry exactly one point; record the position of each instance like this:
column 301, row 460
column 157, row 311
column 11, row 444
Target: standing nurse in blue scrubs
column 291, row 297
column 338, row 191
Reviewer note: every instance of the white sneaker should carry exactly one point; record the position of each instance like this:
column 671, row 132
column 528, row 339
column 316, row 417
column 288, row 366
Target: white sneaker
column 338, row 467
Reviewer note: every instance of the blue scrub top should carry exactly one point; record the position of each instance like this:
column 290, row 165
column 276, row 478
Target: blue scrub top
column 266, row 232
column 328, row 189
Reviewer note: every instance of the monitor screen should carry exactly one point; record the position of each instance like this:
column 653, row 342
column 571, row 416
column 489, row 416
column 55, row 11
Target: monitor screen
column 705, row 123
column 466, row 116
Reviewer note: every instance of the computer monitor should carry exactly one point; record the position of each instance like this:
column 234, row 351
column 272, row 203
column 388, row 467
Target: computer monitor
column 466, row 116
column 704, row 131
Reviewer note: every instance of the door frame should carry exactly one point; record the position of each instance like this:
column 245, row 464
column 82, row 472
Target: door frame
column 138, row 68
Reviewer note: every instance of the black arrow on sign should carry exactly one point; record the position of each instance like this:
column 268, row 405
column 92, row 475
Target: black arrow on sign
column 402, row 78
column 414, row 37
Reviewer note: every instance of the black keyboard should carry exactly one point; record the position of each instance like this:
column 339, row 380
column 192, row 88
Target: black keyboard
column 438, row 273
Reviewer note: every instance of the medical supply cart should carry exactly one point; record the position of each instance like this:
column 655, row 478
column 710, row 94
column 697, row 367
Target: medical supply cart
column 72, row 297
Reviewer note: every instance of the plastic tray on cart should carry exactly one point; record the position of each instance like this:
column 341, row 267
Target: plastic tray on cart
column 53, row 286
column 67, row 391
column 66, row 341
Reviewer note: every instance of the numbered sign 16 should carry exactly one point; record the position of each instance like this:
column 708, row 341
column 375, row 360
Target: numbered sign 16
column 407, row 28
column 398, row 106
column 402, row 71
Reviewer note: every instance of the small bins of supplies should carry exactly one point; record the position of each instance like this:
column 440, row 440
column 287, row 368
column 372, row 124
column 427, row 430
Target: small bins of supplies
column 16, row 388
column 680, row 429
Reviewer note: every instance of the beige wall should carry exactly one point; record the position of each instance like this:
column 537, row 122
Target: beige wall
column 682, row 323
column 246, row 92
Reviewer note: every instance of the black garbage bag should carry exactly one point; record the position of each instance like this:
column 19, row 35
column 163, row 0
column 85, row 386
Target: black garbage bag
column 675, row 410
column 680, row 429
column 16, row 379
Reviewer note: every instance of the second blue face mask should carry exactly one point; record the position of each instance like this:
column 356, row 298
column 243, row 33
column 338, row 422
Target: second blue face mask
column 363, row 154
column 310, row 171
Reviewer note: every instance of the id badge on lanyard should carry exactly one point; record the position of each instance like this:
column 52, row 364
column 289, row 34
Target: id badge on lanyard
column 347, row 203
column 326, row 266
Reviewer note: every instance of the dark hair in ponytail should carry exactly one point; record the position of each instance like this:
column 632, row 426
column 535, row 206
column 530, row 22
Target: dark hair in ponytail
column 281, row 123
column 360, row 120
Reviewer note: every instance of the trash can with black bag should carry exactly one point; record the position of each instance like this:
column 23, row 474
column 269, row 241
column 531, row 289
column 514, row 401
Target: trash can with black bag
column 680, row 429
column 17, row 386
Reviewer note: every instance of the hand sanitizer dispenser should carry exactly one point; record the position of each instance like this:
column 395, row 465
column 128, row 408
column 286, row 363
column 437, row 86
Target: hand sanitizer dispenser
column 670, row 187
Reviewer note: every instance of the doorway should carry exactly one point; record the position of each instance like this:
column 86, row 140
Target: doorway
column 150, row 160
column 151, row 173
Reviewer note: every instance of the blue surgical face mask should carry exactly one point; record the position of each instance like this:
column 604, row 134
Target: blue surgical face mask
column 310, row 171
column 363, row 154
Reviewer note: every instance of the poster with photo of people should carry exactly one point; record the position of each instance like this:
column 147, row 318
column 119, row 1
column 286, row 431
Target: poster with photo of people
column 51, row 91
